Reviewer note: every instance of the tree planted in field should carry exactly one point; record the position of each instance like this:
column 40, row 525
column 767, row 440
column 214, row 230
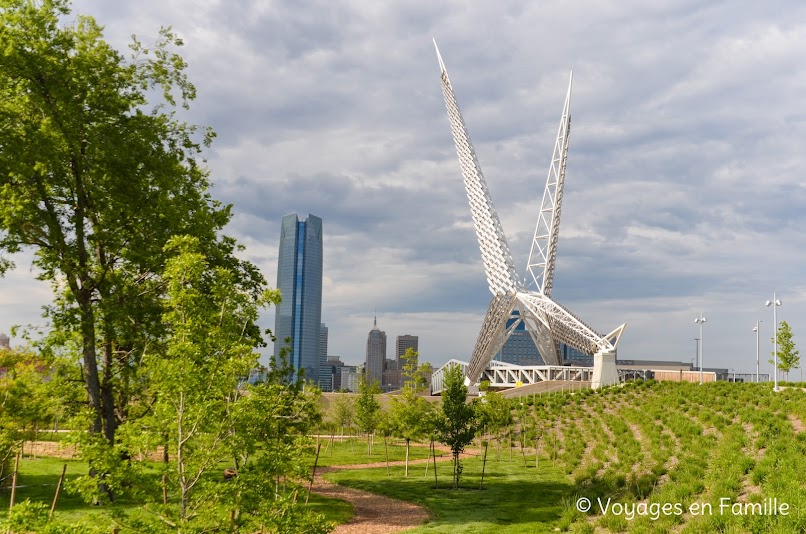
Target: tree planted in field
column 367, row 409
column 458, row 424
column 788, row 356
column 495, row 415
column 195, row 381
column 411, row 415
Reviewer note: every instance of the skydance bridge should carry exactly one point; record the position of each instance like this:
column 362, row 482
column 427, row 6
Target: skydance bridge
column 547, row 322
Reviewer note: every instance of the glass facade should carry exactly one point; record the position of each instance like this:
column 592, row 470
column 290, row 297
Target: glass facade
column 519, row 349
column 299, row 279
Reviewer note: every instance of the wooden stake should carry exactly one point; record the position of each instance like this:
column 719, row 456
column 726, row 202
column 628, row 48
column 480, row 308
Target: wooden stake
column 56, row 495
column 386, row 447
column 554, row 454
column 510, row 444
column 434, row 456
column 313, row 474
column 483, row 466
column 14, row 479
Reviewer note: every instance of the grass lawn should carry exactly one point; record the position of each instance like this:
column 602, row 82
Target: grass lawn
column 514, row 499
column 38, row 478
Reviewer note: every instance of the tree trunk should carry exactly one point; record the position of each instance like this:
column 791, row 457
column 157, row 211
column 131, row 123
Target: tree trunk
column 90, row 367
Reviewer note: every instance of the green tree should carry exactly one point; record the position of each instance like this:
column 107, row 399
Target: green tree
column 96, row 174
column 410, row 413
column 25, row 402
column 344, row 412
column 788, row 357
column 494, row 413
column 367, row 409
column 458, row 424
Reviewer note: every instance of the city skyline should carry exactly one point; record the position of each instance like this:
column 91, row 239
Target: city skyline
column 685, row 189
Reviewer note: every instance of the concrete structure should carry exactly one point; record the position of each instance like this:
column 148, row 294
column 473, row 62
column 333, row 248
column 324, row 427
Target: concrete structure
column 4, row 341
column 376, row 354
column 299, row 279
column 548, row 323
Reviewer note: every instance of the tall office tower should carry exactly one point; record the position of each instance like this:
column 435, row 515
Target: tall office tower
column 324, row 378
column 376, row 354
column 299, row 279
column 404, row 343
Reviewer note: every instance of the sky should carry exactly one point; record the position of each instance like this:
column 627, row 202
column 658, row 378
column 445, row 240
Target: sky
column 686, row 179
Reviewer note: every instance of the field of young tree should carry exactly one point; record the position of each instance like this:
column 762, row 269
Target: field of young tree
column 720, row 457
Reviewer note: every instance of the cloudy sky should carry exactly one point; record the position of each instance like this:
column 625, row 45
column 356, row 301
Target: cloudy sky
column 686, row 181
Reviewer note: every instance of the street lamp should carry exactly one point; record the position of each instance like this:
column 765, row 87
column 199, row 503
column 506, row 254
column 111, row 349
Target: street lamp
column 775, row 302
column 756, row 329
column 701, row 320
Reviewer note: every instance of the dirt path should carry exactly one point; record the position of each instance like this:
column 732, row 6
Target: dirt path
column 374, row 514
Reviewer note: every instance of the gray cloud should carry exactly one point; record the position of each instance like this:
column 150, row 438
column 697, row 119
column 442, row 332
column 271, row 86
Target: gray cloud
column 684, row 188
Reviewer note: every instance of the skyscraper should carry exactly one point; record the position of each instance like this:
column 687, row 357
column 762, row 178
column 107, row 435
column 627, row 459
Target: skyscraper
column 376, row 354
column 324, row 379
column 403, row 343
column 299, row 279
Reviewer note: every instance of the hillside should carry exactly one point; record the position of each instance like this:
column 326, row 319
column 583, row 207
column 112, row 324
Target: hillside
column 659, row 457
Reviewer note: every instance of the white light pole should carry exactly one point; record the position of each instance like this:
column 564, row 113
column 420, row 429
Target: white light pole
column 701, row 320
column 775, row 302
column 756, row 329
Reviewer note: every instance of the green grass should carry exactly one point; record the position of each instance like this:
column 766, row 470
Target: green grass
column 514, row 499
column 38, row 477
column 650, row 442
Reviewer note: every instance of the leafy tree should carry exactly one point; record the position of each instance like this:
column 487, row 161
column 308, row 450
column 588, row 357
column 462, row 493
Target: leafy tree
column 25, row 401
column 344, row 412
column 367, row 408
column 458, row 423
column 410, row 417
column 494, row 413
column 788, row 357
column 95, row 183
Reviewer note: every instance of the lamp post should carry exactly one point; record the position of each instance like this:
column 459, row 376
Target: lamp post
column 701, row 320
column 756, row 329
column 775, row 302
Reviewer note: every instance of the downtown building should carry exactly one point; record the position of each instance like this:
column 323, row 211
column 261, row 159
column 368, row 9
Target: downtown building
column 298, row 321
column 376, row 355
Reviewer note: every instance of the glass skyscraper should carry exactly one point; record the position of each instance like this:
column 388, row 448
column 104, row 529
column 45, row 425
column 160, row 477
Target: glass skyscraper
column 299, row 279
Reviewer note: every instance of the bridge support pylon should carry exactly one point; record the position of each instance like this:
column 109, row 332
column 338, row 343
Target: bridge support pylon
column 604, row 369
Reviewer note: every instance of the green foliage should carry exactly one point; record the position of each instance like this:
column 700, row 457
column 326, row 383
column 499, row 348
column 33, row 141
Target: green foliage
column 26, row 403
column 788, row 357
column 412, row 417
column 494, row 413
column 367, row 408
column 96, row 176
column 458, row 424
column 344, row 412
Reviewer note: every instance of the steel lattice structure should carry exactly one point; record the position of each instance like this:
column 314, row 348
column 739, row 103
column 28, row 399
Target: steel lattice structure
column 548, row 323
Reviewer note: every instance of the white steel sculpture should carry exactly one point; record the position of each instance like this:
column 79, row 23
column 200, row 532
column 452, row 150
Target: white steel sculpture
column 548, row 323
